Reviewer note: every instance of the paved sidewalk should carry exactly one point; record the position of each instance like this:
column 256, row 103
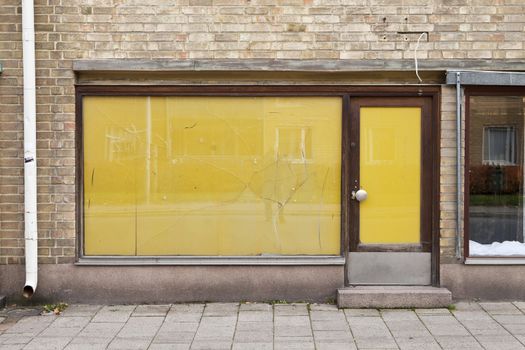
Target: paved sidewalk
column 264, row 326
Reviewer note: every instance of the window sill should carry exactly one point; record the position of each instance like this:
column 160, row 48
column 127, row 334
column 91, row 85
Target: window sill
column 518, row 260
column 210, row 260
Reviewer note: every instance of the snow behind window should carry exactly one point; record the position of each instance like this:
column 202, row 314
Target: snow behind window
column 507, row 248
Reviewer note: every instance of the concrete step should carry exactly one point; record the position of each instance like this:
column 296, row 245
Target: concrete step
column 377, row 297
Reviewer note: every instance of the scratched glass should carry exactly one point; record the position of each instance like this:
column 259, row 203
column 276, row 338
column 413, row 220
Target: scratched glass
column 212, row 175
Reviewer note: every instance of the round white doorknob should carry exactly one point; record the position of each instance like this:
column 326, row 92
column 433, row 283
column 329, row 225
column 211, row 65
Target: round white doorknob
column 361, row 195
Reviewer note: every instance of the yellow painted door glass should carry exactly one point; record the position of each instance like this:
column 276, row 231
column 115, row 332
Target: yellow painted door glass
column 212, row 175
column 390, row 171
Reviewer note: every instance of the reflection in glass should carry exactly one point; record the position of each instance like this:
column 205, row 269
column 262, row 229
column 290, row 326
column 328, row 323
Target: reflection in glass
column 496, row 175
column 212, row 175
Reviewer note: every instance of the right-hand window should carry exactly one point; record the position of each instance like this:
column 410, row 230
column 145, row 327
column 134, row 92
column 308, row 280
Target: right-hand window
column 495, row 176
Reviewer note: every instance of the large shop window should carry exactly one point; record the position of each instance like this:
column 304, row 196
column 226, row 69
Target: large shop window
column 215, row 176
column 495, row 176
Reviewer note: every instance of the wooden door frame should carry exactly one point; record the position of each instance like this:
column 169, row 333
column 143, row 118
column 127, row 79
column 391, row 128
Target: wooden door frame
column 430, row 160
column 426, row 172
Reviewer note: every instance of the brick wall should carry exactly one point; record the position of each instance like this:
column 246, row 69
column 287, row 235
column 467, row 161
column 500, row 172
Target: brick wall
column 67, row 30
column 447, row 222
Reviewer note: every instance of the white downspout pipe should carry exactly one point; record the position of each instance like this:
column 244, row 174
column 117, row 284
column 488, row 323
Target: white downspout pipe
column 459, row 233
column 30, row 199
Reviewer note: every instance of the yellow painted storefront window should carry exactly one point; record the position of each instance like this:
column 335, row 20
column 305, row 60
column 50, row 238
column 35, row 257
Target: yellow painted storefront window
column 212, row 175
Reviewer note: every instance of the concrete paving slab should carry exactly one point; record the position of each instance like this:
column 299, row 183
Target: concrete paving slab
column 520, row 338
column 293, row 339
column 101, row 330
column 335, row 346
column 13, row 347
column 484, row 327
column 516, row 329
column 129, row 344
column 211, row 345
column 416, row 342
column 292, row 345
column 255, row 316
column 219, row 320
column 471, row 315
column 368, row 327
column 45, row 343
column 361, row 312
column 169, row 346
column 60, row 332
column 419, row 346
column 467, row 306
column 70, row 322
column 151, row 310
column 179, row 327
column 85, row 347
column 291, row 321
column 326, row 315
column 255, row 326
column 221, row 309
column 296, row 326
column 399, row 315
column 164, row 337
column 501, row 308
column 520, row 305
column 291, row 310
column 10, row 339
column 408, row 326
column 291, row 331
column 81, row 310
column 444, row 330
column 139, row 327
column 253, row 337
column 438, row 311
column 253, row 346
column 256, row 307
column 114, row 313
column 31, row 326
column 333, row 335
column 323, row 307
column 330, row 325
column 375, row 343
column 506, row 342
column 183, row 317
column 510, row 319
column 457, row 342
column 188, row 308
column 215, row 330
column 91, row 340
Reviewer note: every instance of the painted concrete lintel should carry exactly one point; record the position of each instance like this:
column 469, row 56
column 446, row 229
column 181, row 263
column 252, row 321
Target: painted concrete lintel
column 290, row 65
column 211, row 260
column 487, row 78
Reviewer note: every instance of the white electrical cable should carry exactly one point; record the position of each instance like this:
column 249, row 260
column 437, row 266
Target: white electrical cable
column 415, row 56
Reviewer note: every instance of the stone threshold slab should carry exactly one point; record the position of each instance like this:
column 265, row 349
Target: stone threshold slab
column 384, row 297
